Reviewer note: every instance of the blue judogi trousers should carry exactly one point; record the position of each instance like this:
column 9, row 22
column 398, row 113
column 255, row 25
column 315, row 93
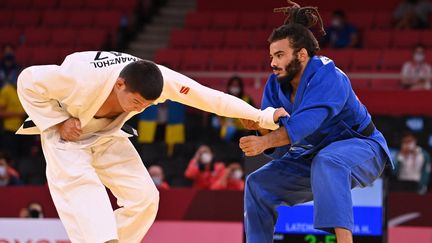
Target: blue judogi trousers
column 327, row 178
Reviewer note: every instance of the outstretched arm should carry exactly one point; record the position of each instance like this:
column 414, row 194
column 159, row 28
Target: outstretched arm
column 178, row 87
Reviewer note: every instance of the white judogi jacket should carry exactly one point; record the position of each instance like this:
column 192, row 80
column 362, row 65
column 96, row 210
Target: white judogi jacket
column 50, row 94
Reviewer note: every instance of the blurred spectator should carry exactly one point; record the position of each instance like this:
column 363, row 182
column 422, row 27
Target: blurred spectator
column 158, row 176
column 9, row 69
column 413, row 166
column 412, row 14
column 203, row 169
column 416, row 73
column 33, row 210
column 231, row 129
column 340, row 34
column 8, row 175
column 232, row 179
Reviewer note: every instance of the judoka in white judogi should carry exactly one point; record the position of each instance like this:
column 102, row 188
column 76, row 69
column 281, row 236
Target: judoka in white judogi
column 77, row 171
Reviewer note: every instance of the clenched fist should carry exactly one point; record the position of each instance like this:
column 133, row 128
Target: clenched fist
column 70, row 130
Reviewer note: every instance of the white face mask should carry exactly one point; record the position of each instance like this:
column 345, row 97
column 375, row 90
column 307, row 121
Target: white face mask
column 234, row 90
column 206, row 157
column 157, row 180
column 237, row 174
column 3, row 171
column 419, row 57
column 411, row 146
column 336, row 22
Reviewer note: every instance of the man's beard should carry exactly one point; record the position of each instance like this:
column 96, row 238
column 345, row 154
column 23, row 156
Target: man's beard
column 292, row 69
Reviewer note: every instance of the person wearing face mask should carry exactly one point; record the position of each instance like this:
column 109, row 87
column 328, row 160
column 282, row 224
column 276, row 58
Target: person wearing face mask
column 158, row 176
column 8, row 176
column 416, row 73
column 231, row 129
column 340, row 33
column 412, row 166
column 412, row 14
column 232, row 179
column 203, row 169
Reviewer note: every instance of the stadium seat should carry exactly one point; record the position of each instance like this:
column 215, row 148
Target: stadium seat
column 54, row 19
column 97, row 4
column 259, row 40
column 71, row 5
column 385, row 84
column 10, row 36
column 361, row 20
column 341, row 57
column 211, row 39
column 107, row 20
column 37, row 36
column 383, row 20
column 252, row 60
column 63, row 37
column 169, row 57
column 14, row 4
column 406, row 38
column 78, row 19
column 223, row 21
column 377, row 39
column 196, row 60
column 90, row 39
column 393, row 59
column 24, row 56
column 274, row 20
column 45, row 55
column 237, row 39
column 425, row 38
column 223, row 60
column 26, row 18
column 198, row 21
column 252, row 20
column 124, row 6
column 183, row 38
column 360, row 84
column 6, row 18
column 45, row 4
column 366, row 60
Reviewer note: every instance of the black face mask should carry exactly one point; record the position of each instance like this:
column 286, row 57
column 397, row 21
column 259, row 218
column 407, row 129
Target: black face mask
column 34, row 213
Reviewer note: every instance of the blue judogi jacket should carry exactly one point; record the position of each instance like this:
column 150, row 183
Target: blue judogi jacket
column 325, row 110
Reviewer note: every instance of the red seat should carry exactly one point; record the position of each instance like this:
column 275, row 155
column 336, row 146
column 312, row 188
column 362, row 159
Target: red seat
column 394, row 59
column 252, row 21
column 68, row 4
column 10, row 36
column 97, row 4
column 79, row 19
column 223, row 60
column 124, row 6
column 252, row 60
column 360, row 84
column 361, row 20
column 25, row 18
column 24, row 56
column 63, row 37
column 6, row 18
column 383, row 20
column 385, row 84
column 425, row 38
column 169, row 57
column 210, row 39
column 54, row 19
column 90, row 39
column 406, row 38
column 341, row 57
column 107, row 20
column 259, row 39
column 198, row 21
column 45, row 4
column 366, row 60
column 183, row 38
column 274, row 20
column 21, row 4
column 377, row 39
column 237, row 39
column 223, row 21
column 37, row 36
column 196, row 60
column 45, row 55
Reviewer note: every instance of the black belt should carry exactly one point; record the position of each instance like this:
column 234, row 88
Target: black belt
column 370, row 128
column 125, row 128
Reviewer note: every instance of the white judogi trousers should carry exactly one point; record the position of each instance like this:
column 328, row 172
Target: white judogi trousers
column 77, row 173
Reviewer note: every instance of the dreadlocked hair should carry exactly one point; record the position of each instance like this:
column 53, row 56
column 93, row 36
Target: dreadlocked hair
column 297, row 27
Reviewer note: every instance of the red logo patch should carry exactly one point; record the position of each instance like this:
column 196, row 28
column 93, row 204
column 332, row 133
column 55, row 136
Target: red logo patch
column 184, row 90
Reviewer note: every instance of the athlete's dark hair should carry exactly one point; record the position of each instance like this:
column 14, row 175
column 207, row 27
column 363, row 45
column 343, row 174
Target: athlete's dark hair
column 143, row 77
column 297, row 27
